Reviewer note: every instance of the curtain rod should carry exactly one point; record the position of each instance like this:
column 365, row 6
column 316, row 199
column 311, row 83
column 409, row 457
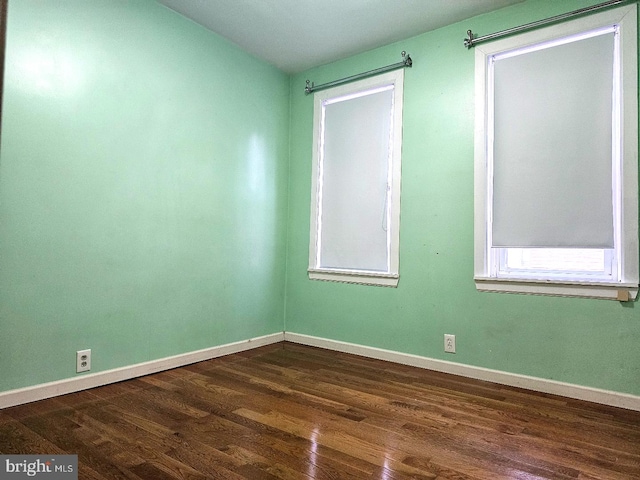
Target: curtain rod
column 405, row 63
column 472, row 41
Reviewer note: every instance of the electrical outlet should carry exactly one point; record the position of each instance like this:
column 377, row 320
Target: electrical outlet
column 449, row 343
column 83, row 360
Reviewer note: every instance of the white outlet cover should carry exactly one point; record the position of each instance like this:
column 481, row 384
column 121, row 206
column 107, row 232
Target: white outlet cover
column 83, row 360
column 449, row 343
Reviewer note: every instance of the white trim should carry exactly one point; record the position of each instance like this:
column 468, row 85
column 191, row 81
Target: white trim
column 349, row 276
column 388, row 279
column 484, row 261
column 558, row 288
column 83, row 382
column 630, row 268
column 596, row 395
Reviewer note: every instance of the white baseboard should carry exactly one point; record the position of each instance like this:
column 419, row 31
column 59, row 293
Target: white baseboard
column 83, row 382
column 605, row 397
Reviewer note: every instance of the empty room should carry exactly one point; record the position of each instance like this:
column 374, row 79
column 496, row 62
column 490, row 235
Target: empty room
column 221, row 257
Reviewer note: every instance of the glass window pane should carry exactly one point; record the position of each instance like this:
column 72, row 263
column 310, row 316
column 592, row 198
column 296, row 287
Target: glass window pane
column 556, row 259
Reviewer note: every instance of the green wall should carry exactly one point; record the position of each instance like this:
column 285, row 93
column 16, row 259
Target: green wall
column 155, row 192
column 587, row 342
column 143, row 180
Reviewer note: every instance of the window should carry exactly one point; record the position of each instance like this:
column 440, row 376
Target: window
column 355, row 202
column 556, row 186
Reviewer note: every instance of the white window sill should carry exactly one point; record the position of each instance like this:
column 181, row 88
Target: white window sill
column 349, row 276
column 605, row 291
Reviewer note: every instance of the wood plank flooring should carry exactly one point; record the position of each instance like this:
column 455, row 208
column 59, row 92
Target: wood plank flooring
column 288, row 411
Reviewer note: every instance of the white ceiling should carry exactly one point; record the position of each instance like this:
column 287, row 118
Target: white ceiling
column 295, row 35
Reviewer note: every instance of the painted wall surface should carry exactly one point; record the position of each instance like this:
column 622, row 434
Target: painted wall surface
column 146, row 168
column 143, row 180
column 587, row 342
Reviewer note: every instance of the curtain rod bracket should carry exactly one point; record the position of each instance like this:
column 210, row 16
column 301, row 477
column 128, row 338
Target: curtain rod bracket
column 309, row 88
column 406, row 59
column 470, row 40
column 406, row 62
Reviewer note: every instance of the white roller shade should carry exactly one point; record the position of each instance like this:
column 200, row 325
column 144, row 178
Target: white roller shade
column 355, row 176
column 552, row 150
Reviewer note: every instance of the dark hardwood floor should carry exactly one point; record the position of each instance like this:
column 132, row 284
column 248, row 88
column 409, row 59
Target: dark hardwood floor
column 295, row 412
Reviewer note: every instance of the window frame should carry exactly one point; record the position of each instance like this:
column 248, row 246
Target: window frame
column 390, row 277
column 625, row 285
